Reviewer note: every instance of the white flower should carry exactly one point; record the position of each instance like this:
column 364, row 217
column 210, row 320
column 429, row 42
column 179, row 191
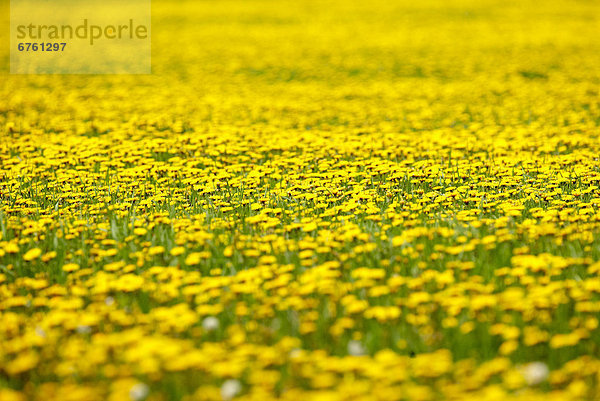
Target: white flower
column 109, row 301
column 355, row 348
column 210, row 323
column 295, row 353
column 83, row 329
column 138, row 391
column 534, row 372
column 40, row 332
column 230, row 389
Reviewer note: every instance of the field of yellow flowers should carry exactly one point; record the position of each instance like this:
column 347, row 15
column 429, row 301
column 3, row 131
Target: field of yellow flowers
column 310, row 200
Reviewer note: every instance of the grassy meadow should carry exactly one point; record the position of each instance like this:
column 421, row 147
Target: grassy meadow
column 310, row 200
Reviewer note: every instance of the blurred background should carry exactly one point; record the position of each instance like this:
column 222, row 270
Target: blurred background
column 386, row 65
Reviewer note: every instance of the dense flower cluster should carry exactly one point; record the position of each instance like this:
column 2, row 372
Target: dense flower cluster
column 323, row 201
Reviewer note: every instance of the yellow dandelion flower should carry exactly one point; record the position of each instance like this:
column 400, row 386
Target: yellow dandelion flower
column 140, row 231
column 11, row 247
column 70, row 267
column 32, row 254
column 178, row 250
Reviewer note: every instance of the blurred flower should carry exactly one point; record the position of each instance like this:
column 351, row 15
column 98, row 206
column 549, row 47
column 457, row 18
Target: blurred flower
column 139, row 391
column 355, row 348
column 534, row 372
column 230, row 389
column 210, row 323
